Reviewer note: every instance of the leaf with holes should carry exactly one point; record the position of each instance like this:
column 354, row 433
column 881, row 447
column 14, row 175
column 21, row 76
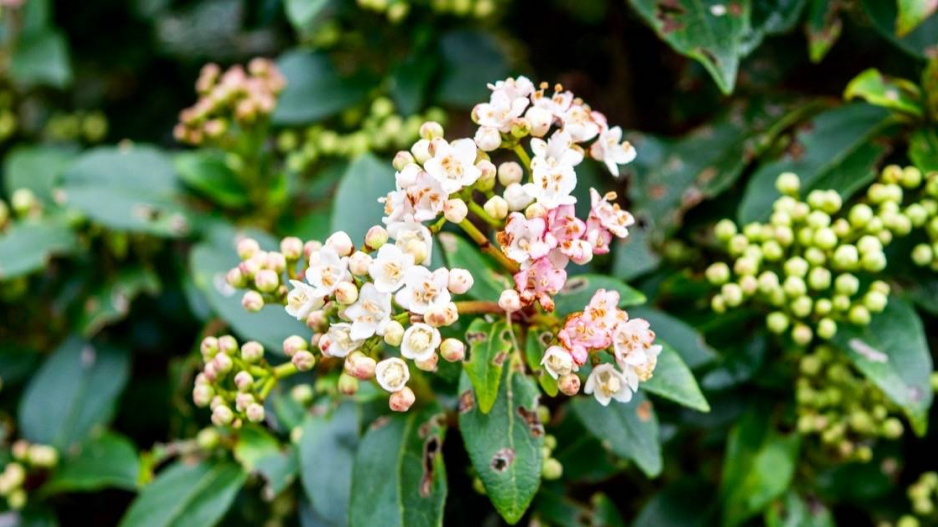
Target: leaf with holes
column 490, row 344
column 107, row 461
column 912, row 13
column 488, row 282
column 187, row 495
column 673, row 380
column 327, row 454
column 579, row 290
column 75, row 390
column 889, row 92
column 884, row 15
column 28, row 245
column 505, row 444
column 834, row 139
column 893, row 353
column 534, row 348
column 629, row 430
column 399, row 479
column 823, row 27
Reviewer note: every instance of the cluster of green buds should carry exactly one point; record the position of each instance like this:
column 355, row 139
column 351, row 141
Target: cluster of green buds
column 382, row 129
column 90, row 127
column 806, row 263
column 245, row 98
column 922, row 496
column 27, row 458
column 842, row 407
column 397, row 10
column 236, row 380
column 551, row 468
column 264, row 273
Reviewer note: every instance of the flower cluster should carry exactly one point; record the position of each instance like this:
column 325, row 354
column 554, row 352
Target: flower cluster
column 27, row 458
column 804, row 263
column 922, row 494
column 842, row 407
column 238, row 96
column 397, row 10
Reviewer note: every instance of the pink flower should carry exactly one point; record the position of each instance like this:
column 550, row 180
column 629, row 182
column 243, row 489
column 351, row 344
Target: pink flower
column 541, row 281
column 631, row 340
column 580, row 336
column 604, row 314
column 598, row 236
column 609, row 215
column 523, row 239
column 563, row 225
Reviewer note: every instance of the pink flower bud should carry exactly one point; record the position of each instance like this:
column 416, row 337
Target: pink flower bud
column 453, row 350
column 347, row 384
column 236, row 278
column 431, row 130
column 223, row 363
column 402, row 400
column 266, row 281
column 243, row 400
column 222, row 416
column 276, row 261
column 341, row 242
column 428, row 365
column 488, row 138
column 209, row 371
column 316, row 320
column 255, row 413
column 303, row 360
column 360, row 366
column 455, row 210
column 202, row 395
column 252, row 351
column 208, row 347
column 248, row 269
column 247, row 247
column 310, row 248
column 569, row 384
column 376, row 237
column 510, row 301
column 293, row 344
column 227, row 345
column 252, row 301
column 292, row 248
column 243, row 380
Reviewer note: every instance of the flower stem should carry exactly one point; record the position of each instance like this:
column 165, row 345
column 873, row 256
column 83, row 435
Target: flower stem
column 523, row 156
column 487, row 246
column 484, row 216
column 284, row 370
column 435, row 228
column 472, row 307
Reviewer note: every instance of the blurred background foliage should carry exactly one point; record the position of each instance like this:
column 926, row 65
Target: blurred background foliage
column 115, row 239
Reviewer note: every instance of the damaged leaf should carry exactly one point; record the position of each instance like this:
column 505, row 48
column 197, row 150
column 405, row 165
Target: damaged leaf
column 489, row 346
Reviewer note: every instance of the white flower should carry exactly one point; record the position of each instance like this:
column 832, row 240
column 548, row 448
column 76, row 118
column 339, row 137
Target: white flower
column 397, row 207
column 517, row 197
column 370, row 313
column 631, row 337
column 420, row 342
column 610, row 215
column 641, row 363
column 453, row 164
column 392, row 374
column 426, row 196
column 302, row 300
column 523, row 239
column 423, row 289
column 610, row 149
column 388, row 268
column 558, row 362
column 605, row 383
column 406, row 233
column 578, row 122
column 326, row 270
column 501, row 110
column 552, row 170
column 557, row 104
column 338, row 341
column 407, row 176
column 488, row 138
column 559, row 149
column 514, row 87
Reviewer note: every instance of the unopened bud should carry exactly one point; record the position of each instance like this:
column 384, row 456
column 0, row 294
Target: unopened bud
column 208, row 347
column 421, row 151
column 428, row 365
column 569, row 384
column 510, row 172
column 347, row 384
column 346, row 293
column 255, row 413
column 303, row 360
column 788, row 183
column 453, row 350
column 455, row 210
column 222, row 415
column 509, row 301
column 496, row 207
column 517, row 197
column 267, row 280
column 202, row 395
column 247, row 247
column 488, row 138
column 236, row 278
column 291, row 248
column 302, row 393
column 358, row 263
column 341, row 243
column 360, row 366
column 402, row 400
column 223, row 363
column 243, row 381
column 227, row 345
column 540, row 120
column 460, row 281
column 402, row 159
column 376, row 237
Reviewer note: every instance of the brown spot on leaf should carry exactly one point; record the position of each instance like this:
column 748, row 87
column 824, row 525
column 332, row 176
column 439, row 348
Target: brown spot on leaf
column 691, row 197
column 380, row 422
column 706, row 175
column 532, row 420
column 644, row 411
column 669, row 12
column 503, row 459
column 467, row 401
column 577, row 283
column 795, row 150
column 499, row 358
column 735, row 9
column 476, row 337
column 657, row 191
column 430, row 450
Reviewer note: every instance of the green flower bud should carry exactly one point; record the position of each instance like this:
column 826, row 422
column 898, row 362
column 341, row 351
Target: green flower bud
column 753, row 231
column 860, row 215
column 825, row 238
column 802, row 306
column 891, row 174
column 746, row 266
column 826, row 328
column 819, row 219
column 875, row 301
column 875, row 225
column 880, row 286
column 718, row 273
column 777, row 322
column 805, row 236
column 551, row 469
column 911, row 177
column 749, row 285
column 788, row 183
column 841, row 302
column 800, row 211
column 819, row 279
column 816, row 199
column 785, row 204
column 892, row 428
column 802, row 335
column 784, row 236
column 847, row 284
column 772, row 251
column 930, row 205
column 831, row 202
column 859, row 316
column 842, row 228
column 794, row 287
column 768, row 282
column 869, row 244
column 780, row 218
column 908, row 521
column 738, row 244
column 815, row 256
column 846, row 257
column 877, row 193
column 725, row 230
column 718, row 304
column 873, row 261
column 823, row 307
column 917, row 214
column 796, row 267
column 732, row 294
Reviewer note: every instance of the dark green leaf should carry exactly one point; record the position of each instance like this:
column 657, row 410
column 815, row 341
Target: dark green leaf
column 686, row 340
column 684, row 503
column 824, row 27
column 795, row 511
column 186, row 496
column 633, row 256
column 920, row 42
column 301, row 13
column 75, row 390
column 470, row 59
column 399, row 479
column 41, row 59
column 36, row 168
column 505, row 444
column 208, row 173
column 923, row 149
column 356, row 208
column 534, row 349
column 893, row 353
column 579, row 290
column 556, row 509
column 629, row 430
column 912, row 13
column 889, row 92
column 488, row 281
column 107, row 461
column 327, row 454
column 673, row 380
column 111, row 302
column 772, row 17
column 489, row 347
column 315, row 88
column 28, row 245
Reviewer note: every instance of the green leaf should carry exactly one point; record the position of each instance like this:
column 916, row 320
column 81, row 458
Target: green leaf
column 628, row 430
column 553, row 508
column 687, row 341
column 505, row 444
column 36, row 168
column 260, row 452
column 187, row 495
column 923, row 149
column 912, row 13
column 824, row 26
column 356, row 208
column 107, row 461
column 579, row 290
column 830, row 141
column 920, row 42
column 772, row 17
column 327, row 455
column 75, row 390
column 893, row 353
column 253, row 444
column 534, row 348
column 684, row 503
column 399, row 479
column 111, row 302
column 795, row 511
column 758, row 467
column 490, row 344
column 470, row 59
column 711, row 32
column 488, row 281
column 269, row 326
column 889, row 92
column 301, row 13
column 673, row 380
column 208, row 173
column 28, row 245
column 279, row 470
column 315, row 88
column 41, row 59
column 633, row 257
column 127, row 189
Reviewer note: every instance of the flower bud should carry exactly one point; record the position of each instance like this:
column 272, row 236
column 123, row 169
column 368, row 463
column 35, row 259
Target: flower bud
column 517, row 197
column 453, row 350
column 569, row 384
column 402, row 159
column 873, row 261
column 276, row 262
column 376, row 237
column 202, row 395
column 923, row 255
column 431, row 130
column 421, row 151
column 393, row 333
column 302, row 394
column 819, row 279
column 360, row 366
column 303, row 360
column 207, row 438
column 455, row 210
column 208, row 347
column 243, row 380
column 777, row 322
column 247, row 247
column 796, row 267
column 346, row 293
column 801, row 307
column 252, row 301
column 510, row 172
column 509, row 301
column 725, row 230
column 417, row 249
column 551, row 469
column 486, row 181
column 496, row 207
column 255, row 413
column 911, row 177
column 824, row 238
column 310, row 248
column 460, row 281
column 347, row 385
column 488, row 138
column 359, row 263
column 802, row 335
column 788, row 183
column 732, row 294
column 540, row 120
column 292, row 248
column 341, row 243
column 826, row 328
column 222, row 415
column 222, row 363
column 266, row 280
column 428, row 365
column 236, row 278
column 402, row 400
column 859, row 315
column 535, row 210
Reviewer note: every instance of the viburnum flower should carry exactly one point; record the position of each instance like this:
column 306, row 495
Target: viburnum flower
column 552, row 185
column 338, row 341
column 558, row 361
column 606, row 384
column 612, row 150
column 412, row 237
column 389, row 267
column 514, row 88
column 392, row 374
column 370, row 313
column 420, row 342
column 557, row 104
column 608, row 215
column 578, row 122
column 502, row 110
column 327, row 270
column 302, row 300
column 523, row 239
column 426, row 196
column 453, row 164
column 424, row 289
column 541, row 281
